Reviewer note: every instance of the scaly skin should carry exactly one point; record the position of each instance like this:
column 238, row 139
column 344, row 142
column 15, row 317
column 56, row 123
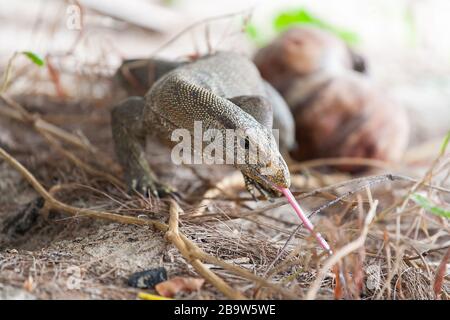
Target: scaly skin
column 223, row 91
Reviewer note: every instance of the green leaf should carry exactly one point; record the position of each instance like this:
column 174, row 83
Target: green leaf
column 445, row 143
column 289, row 18
column 252, row 31
column 254, row 34
column 302, row 16
column 34, row 58
column 430, row 206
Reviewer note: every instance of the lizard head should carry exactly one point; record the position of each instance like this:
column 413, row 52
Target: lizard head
column 260, row 161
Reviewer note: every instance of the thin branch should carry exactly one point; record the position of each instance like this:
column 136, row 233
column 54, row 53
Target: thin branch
column 196, row 24
column 341, row 161
column 193, row 251
column 74, row 211
column 173, row 235
column 19, row 113
column 342, row 252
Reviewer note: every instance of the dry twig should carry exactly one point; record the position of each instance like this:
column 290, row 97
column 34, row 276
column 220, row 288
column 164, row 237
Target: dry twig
column 188, row 249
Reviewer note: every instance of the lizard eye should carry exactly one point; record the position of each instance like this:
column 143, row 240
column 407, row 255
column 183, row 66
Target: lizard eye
column 245, row 143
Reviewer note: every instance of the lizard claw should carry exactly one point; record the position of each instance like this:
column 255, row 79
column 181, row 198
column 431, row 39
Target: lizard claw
column 148, row 186
column 251, row 185
column 263, row 192
column 164, row 190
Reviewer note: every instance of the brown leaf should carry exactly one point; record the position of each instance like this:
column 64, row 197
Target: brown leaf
column 29, row 284
column 174, row 285
column 54, row 76
column 338, row 287
column 440, row 274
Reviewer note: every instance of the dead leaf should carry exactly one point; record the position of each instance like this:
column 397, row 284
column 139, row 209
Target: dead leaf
column 338, row 287
column 29, row 284
column 174, row 285
column 440, row 274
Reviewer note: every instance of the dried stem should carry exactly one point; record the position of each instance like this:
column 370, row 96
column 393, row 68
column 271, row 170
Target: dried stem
column 295, row 167
column 19, row 113
column 342, row 252
column 187, row 248
column 173, row 235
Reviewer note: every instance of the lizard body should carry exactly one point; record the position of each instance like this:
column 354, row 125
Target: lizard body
column 136, row 76
column 223, row 91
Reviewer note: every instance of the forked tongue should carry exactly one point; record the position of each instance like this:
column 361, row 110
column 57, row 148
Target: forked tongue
column 287, row 193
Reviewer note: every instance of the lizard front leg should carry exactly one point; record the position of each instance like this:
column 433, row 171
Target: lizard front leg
column 129, row 136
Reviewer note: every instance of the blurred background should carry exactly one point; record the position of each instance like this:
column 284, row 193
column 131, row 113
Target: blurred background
column 405, row 41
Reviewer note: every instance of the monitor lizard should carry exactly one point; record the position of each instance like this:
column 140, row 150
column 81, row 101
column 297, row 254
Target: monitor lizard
column 223, row 91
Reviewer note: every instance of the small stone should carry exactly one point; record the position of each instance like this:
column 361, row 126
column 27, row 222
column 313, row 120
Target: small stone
column 148, row 278
column 25, row 219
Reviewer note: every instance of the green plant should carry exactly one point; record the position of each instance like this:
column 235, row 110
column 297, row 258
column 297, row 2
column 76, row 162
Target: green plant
column 301, row 16
column 34, row 58
column 7, row 74
column 445, row 144
column 430, row 206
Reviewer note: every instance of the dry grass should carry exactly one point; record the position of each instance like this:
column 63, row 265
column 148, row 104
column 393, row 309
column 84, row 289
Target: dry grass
column 386, row 246
column 394, row 254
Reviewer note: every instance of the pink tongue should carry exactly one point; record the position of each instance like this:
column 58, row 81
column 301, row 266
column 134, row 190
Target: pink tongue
column 287, row 193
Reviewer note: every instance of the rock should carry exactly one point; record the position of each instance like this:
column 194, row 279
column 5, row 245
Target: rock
column 301, row 52
column 349, row 117
column 24, row 220
column 337, row 110
column 148, row 278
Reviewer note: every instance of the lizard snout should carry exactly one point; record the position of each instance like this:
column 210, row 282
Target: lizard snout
column 277, row 173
